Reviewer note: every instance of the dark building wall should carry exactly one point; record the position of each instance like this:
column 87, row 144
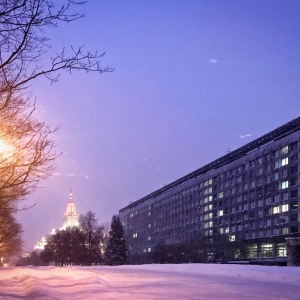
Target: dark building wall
column 249, row 194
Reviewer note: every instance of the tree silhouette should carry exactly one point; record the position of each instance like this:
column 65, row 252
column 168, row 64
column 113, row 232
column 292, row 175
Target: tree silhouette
column 116, row 251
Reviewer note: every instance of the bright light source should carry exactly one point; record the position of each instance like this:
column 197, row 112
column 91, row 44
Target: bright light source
column 6, row 150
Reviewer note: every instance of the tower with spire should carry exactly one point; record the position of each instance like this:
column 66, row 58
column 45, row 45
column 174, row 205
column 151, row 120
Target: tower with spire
column 70, row 217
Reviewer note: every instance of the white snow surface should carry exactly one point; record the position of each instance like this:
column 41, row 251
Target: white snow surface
column 186, row 281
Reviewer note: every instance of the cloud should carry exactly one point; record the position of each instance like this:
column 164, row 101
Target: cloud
column 213, row 61
column 246, row 135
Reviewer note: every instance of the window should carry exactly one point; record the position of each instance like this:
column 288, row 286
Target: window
column 294, row 157
column 284, row 173
column 284, row 207
column 276, row 165
column 281, row 249
column 221, row 212
column 268, row 200
column 134, row 235
column 294, row 193
column 294, row 169
column 285, row 150
column 275, row 176
column 284, row 184
column 275, row 210
column 285, row 196
column 284, row 161
column 266, row 250
column 220, row 195
column 294, row 145
column 294, row 181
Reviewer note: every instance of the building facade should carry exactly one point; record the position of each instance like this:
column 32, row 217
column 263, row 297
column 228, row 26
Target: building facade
column 250, row 194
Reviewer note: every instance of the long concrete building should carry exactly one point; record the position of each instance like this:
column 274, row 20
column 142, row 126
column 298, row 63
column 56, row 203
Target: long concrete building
column 251, row 193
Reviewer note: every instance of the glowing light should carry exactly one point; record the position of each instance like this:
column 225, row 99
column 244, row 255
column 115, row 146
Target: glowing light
column 6, row 150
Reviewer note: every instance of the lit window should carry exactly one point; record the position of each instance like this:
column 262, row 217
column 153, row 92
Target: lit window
column 221, row 213
column 284, row 184
column 134, row 235
column 284, row 207
column 275, row 210
column 231, row 238
column 149, row 249
column 284, row 161
column 220, row 195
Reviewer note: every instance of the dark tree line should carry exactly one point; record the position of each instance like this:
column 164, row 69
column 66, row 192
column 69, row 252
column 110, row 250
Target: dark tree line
column 87, row 244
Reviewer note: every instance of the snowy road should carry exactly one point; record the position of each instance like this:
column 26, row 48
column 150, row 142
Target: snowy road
column 192, row 281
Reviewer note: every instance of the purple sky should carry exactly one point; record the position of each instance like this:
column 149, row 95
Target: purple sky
column 191, row 79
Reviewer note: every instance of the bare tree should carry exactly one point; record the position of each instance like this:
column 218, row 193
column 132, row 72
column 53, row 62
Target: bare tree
column 10, row 236
column 293, row 249
column 27, row 152
column 23, row 43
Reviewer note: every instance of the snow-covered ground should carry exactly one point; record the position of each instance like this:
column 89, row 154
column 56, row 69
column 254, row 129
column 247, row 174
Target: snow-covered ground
column 189, row 281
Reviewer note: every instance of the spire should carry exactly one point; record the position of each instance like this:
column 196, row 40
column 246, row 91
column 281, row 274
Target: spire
column 71, row 194
column 70, row 217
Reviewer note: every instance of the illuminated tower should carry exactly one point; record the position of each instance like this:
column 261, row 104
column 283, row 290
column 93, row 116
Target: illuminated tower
column 70, row 217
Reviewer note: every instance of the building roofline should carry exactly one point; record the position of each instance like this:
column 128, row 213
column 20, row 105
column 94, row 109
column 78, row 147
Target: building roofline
column 262, row 141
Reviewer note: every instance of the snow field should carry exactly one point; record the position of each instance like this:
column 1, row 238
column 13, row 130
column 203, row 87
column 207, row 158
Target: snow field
column 187, row 281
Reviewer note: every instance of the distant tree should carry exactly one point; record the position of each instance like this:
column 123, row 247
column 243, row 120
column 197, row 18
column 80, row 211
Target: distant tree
column 65, row 247
column 116, row 251
column 34, row 259
column 293, row 249
column 104, row 233
column 92, row 235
